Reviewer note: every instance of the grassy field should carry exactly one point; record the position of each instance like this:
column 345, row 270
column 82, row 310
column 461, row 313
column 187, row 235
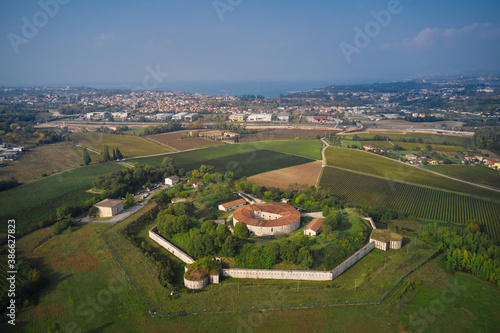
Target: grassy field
column 305, row 148
column 88, row 291
column 301, row 174
column 411, row 146
column 242, row 160
column 38, row 200
column 44, row 159
column 129, row 145
column 287, row 134
column 470, row 173
column 430, row 137
column 174, row 140
column 369, row 163
column 416, row 201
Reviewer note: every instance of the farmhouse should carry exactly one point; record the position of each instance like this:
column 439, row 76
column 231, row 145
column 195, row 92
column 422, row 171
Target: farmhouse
column 172, row 180
column 229, row 206
column 411, row 157
column 198, row 185
column 109, row 207
column 386, row 239
column 268, row 219
column 313, row 228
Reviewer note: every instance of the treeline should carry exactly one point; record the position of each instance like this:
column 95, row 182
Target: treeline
column 427, row 118
column 118, row 184
column 467, row 249
column 6, row 184
column 233, row 127
column 29, row 281
column 487, row 138
column 163, row 128
column 309, row 198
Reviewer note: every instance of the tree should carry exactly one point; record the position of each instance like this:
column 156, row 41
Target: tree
column 105, row 154
column 129, row 200
column 63, row 212
column 229, row 247
column 119, row 155
column 167, row 162
column 208, row 227
column 241, row 230
column 114, row 155
column 93, row 211
column 86, row 157
column 305, row 258
column 330, row 223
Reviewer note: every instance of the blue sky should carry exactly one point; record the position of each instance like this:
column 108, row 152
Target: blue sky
column 111, row 41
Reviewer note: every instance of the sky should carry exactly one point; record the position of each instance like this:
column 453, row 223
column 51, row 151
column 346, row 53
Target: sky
column 147, row 42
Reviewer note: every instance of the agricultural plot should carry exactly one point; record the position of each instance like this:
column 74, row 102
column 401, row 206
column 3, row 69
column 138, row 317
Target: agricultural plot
column 426, row 137
column 470, row 173
column 305, row 148
column 242, row 160
column 129, row 145
column 416, row 201
column 44, row 159
column 174, row 140
column 301, row 174
column 33, row 202
column 287, row 134
column 412, row 146
column 372, row 164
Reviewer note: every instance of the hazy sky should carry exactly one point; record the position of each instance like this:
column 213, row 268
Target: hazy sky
column 105, row 41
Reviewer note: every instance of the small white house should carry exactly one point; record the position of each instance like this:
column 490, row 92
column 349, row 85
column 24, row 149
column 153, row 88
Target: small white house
column 232, row 205
column 109, row 207
column 313, row 228
column 172, row 180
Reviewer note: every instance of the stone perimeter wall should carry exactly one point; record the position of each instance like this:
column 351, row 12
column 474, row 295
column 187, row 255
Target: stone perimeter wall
column 169, row 246
column 352, row 260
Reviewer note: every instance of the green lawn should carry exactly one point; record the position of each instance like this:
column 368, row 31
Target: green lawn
column 39, row 200
column 129, row 145
column 471, row 173
column 369, row 163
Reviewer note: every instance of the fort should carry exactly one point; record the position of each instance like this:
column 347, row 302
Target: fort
column 268, row 219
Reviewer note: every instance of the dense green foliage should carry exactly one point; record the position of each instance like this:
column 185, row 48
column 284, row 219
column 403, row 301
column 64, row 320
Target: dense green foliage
column 241, row 231
column 6, row 184
column 119, row 183
column 466, row 249
column 164, row 128
column 175, row 219
column 488, row 138
column 415, row 201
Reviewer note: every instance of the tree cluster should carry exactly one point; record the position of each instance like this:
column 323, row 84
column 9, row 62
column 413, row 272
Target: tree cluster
column 212, row 239
column 467, row 249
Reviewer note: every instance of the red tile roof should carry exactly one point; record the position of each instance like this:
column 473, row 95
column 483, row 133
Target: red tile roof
column 315, row 224
column 288, row 214
column 233, row 203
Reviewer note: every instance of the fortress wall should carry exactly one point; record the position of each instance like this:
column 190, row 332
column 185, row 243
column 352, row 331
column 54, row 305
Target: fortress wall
column 169, row 246
column 337, row 271
column 244, row 273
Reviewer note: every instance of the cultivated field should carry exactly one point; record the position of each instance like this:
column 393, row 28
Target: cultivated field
column 416, row 201
column 33, row 202
column 411, row 146
column 305, row 148
column 426, row 137
column 369, row 163
column 406, row 124
column 470, row 173
column 174, row 140
column 44, row 159
column 129, row 145
column 282, row 178
column 243, row 161
column 287, row 134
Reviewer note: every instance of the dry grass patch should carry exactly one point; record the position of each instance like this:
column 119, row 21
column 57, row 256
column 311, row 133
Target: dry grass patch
column 44, row 159
column 301, row 174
